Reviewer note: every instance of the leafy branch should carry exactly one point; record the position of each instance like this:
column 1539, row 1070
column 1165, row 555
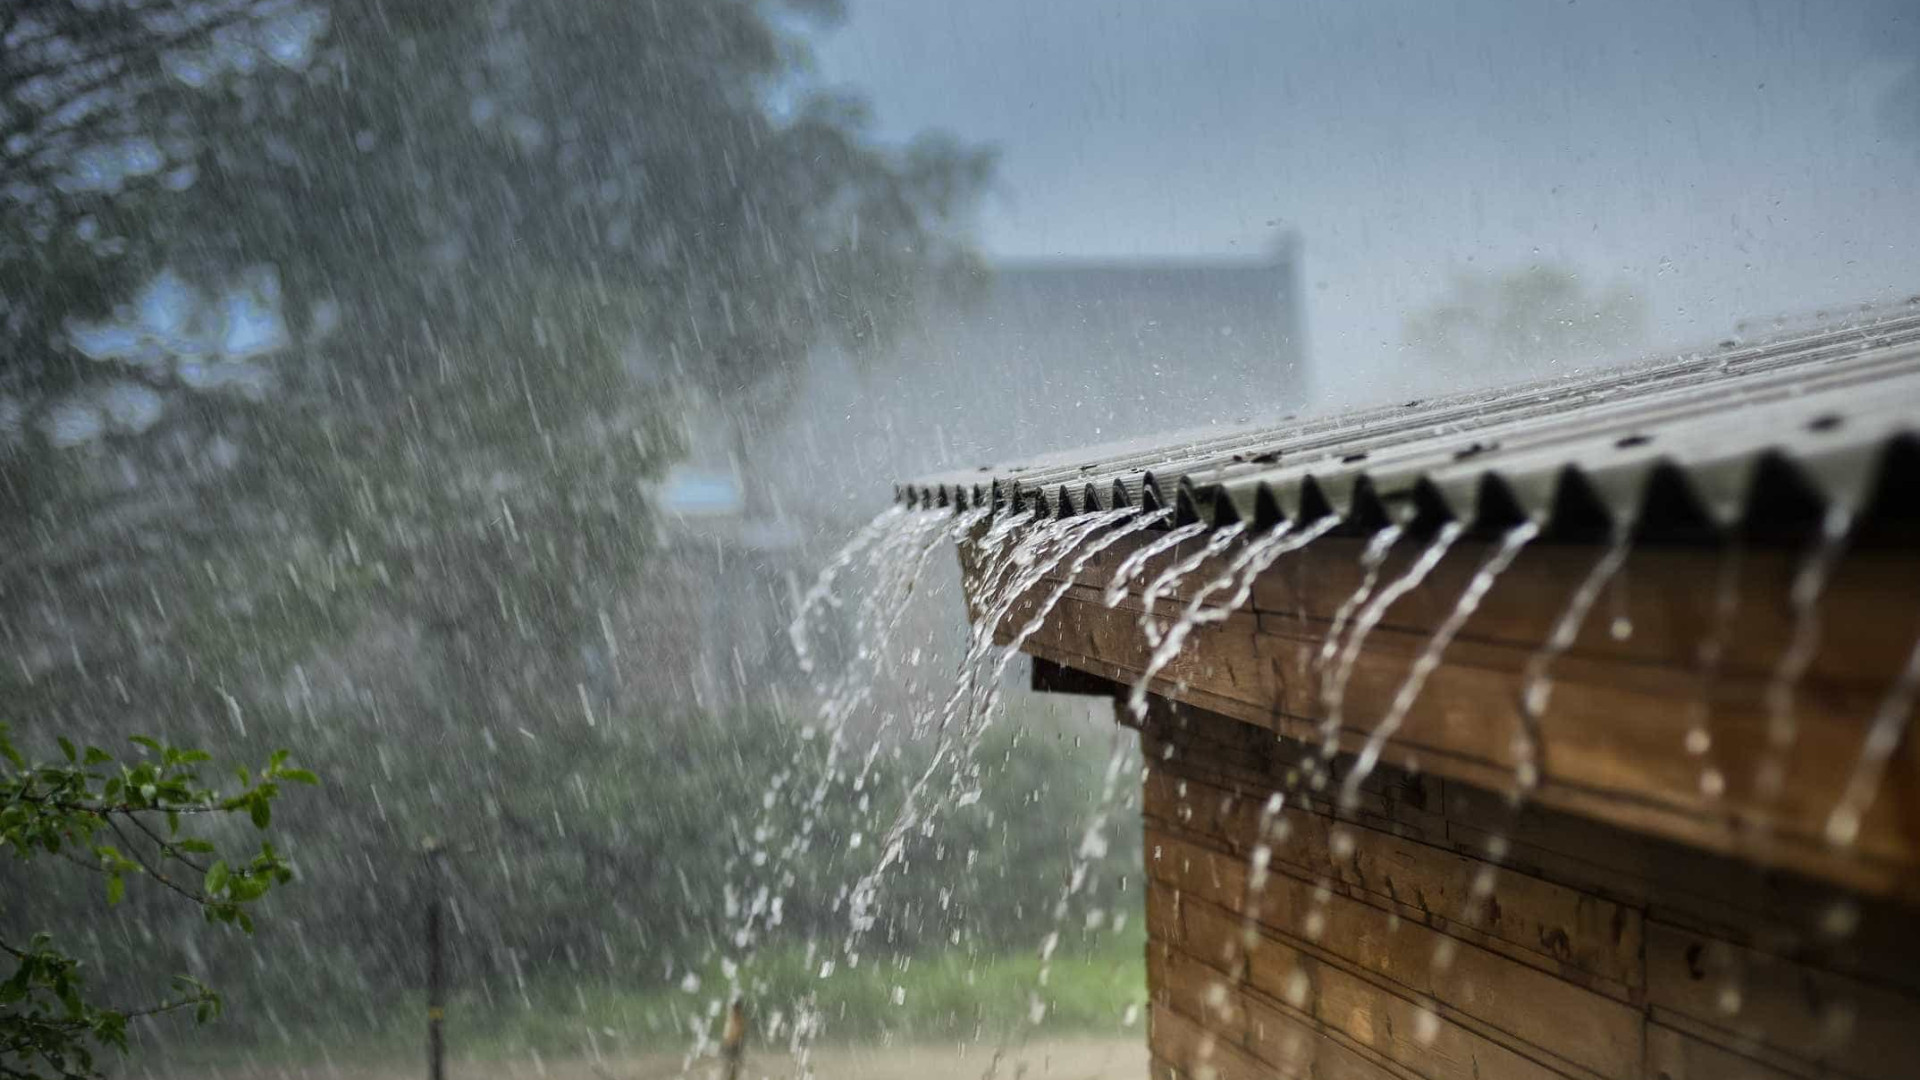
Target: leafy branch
column 122, row 819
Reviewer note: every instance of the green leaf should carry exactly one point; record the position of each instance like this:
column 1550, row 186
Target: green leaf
column 299, row 776
column 193, row 845
column 149, row 743
column 97, row 756
column 217, row 876
column 116, row 889
column 66, row 747
column 262, row 813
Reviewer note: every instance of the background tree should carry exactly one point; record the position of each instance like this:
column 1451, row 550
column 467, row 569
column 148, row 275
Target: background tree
column 342, row 339
column 1491, row 327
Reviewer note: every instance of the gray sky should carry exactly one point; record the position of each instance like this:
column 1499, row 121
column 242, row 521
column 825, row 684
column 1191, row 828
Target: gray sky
column 1724, row 159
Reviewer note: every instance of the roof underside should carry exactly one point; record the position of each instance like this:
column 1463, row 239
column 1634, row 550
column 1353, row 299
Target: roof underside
column 1759, row 438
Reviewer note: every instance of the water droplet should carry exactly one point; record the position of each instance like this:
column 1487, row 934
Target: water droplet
column 1483, row 882
column 1297, row 988
column 1843, row 827
column 1426, row 1026
column 1341, row 844
column 1730, row 1001
column 1840, row 920
column 1699, row 741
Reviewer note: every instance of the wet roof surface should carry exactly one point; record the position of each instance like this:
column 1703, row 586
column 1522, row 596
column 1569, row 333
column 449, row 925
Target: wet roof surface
column 1758, row 437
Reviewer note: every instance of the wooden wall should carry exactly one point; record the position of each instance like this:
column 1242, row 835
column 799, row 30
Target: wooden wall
column 1615, row 735
column 1388, row 944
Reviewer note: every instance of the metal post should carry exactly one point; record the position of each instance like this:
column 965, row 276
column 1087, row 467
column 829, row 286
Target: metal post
column 733, row 1041
column 436, row 971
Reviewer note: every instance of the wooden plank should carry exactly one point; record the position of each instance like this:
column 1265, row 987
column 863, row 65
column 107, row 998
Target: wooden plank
column 1675, row 1055
column 1293, row 1044
column 1613, row 740
column 1193, row 1051
column 1818, row 1017
column 1667, row 594
column 1297, row 1047
column 1365, row 1017
column 1565, row 1020
column 1202, row 993
column 1735, row 901
column 1561, row 928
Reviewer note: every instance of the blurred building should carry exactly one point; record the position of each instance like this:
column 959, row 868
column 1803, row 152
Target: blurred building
column 1045, row 356
column 1042, row 356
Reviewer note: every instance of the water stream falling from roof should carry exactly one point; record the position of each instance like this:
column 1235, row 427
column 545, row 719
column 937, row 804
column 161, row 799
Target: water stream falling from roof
column 1536, row 682
column 1246, row 566
column 1710, row 656
column 1136, row 561
column 888, row 557
column 1363, row 625
column 1168, row 580
column 1803, row 643
column 1424, row 665
column 1885, row 732
column 1024, row 554
column 1134, row 523
column 1372, row 558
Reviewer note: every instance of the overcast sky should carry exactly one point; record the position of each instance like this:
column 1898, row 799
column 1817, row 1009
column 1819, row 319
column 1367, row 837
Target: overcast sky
column 1724, row 159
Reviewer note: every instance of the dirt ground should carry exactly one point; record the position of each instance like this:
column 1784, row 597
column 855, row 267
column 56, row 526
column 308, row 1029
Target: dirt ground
column 1085, row 1058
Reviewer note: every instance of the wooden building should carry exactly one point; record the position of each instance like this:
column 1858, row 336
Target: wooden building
column 1652, row 811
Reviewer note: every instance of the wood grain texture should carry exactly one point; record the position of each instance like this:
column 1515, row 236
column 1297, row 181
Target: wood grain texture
column 1615, row 737
column 1663, row 963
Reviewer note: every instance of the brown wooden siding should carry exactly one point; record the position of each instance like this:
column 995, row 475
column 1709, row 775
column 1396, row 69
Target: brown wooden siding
column 1385, row 943
column 1614, row 735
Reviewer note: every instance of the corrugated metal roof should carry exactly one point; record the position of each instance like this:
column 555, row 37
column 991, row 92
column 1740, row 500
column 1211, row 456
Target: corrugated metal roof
column 1755, row 437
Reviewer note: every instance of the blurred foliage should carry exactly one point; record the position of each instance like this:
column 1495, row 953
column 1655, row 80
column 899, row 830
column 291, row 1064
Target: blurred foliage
column 607, row 864
column 504, row 239
column 119, row 820
column 1514, row 321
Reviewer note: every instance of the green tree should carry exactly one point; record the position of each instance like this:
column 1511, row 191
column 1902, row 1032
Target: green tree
column 432, row 274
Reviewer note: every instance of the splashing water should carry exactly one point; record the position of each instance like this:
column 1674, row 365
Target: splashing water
column 1067, row 580
column 1135, row 562
column 1884, row 733
column 1370, row 617
column 885, row 560
column 1169, row 579
column 1489, row 571
column 1092, row 847
column 1536, row 682
column 822, row 588
column 1372, row 557
column 1809, row 585
column 1020, row 566
column 1246, row 567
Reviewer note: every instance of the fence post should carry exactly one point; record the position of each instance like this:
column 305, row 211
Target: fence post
column 733, row 1041
column 436, row 969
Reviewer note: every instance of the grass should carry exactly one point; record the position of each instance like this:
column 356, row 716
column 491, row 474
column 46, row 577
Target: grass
column 1090, row 987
